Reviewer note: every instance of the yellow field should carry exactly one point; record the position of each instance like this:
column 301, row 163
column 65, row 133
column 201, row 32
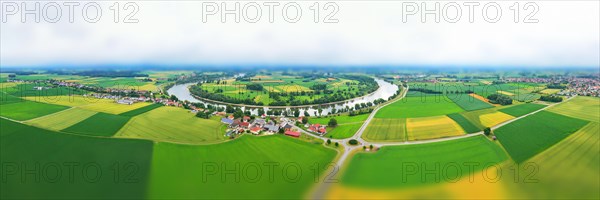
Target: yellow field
column 113, row 107
column 268, row 81
column 261, row 77
column 486, row 82
column 495, row 118
column 506, row 93
column 61, row 120
column 292, row 88
column 432, row 127
column 587, row 108
column 386, row 130
column 72, row 101
column 8, row 84
column 550, row 91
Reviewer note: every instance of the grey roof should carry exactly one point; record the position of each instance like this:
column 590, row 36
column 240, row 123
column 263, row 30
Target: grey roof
column 226, row 120
column 272, row 128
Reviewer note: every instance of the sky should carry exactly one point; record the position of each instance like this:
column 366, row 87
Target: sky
column 367, row 33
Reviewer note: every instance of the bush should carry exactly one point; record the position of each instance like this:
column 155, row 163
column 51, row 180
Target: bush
column 353, row 142
column 487, row 131
column 500, row 99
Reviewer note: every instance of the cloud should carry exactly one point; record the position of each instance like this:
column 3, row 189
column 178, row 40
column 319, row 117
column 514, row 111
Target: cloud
column 368, row 33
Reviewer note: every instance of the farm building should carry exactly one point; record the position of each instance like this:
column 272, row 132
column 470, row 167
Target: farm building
column 226, row 120
column 292, row 133
column 125, row 101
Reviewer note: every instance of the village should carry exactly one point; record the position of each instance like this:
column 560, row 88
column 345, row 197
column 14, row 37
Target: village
column 268, row 126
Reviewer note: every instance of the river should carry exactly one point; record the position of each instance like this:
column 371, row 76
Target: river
column 384, row 91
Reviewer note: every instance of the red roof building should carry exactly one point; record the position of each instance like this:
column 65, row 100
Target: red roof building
column 292, row 133
column 255, row 129
column 244, row 124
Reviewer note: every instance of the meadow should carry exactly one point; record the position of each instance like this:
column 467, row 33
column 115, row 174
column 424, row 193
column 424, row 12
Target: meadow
column 587, row 108
column 99, row 124
column 191, row 167
column 347, row 125
column 393, row 166
column 343, row 131
column 61, row 120
column 342, row 119
column 424, row 128
column 531, row 135
column 427, row 106
column 174, row 124
column 466, row 125
column 89, row 103
column 141, row 110
column 386, row 130
column 27, row 146
column 522, row 109
column 26, row 110
column 468, row 102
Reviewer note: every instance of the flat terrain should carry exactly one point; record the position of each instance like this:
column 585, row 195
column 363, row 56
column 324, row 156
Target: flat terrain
column 26, row 146
column 386, row 130
column 113, row 107
column 464, row 123
column 141, row 110
column 468, row 102
column 26, row 110
column 191, row 167
column 432, row 127
column 387, row 167
column 410, row 107
column 533, row 134
column 587, row 108
column 343, row 119
column 493, row 119
column 61, row 120
column 100, row 124
column 89, row 103
column 347, row 125
column 343, row 131
column 522, row 109
column 173, row 125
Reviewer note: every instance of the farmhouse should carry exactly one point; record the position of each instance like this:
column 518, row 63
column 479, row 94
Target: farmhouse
column 271, row 128
column 255, row 130
column 246, row 119
column 292, row 133
column 317, row 128
column 125, row 101
column 226, row 120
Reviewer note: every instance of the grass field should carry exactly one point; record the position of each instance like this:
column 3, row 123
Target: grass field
column 522, row 109
column 393, row 166
column 6, row 99
column 410, row 107
column 347, row 125
column 343, row 131
column 26, row 110
column 567, row 170
column 587, row 108
column 113, row 107
column 141, row 110
column 531, row 135
column 432, row 127
column 386, row 130
column 493, row 119
column 550, row 91
column 61, row 120
column 188, row 166
column 343, row 119
column 89, row 103
column 100, row 124
column 468, row 102
column 173, row 125
column 464, row 123
column 27, row 146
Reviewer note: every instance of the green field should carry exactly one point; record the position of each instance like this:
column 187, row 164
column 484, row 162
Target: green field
column 100, row 124
column 468, row 102
column 343, row 119
column 26, row 110
column 424, row 128
column 567, row 170
column 185, row 165
column 522, row 109
column 410, row 107
column 347, row 125
column 61, row 120
column 533, row 134
column 141, row 110
column 343, row 131
column 587, row 108
column 466, row 125
column 486, row 117
column 403, row 166
column 174, row 124
column 26, row 146
column 6, row 99
column 386, row 130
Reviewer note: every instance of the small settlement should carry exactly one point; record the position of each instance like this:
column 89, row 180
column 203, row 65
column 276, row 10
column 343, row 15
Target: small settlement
column 262, row 125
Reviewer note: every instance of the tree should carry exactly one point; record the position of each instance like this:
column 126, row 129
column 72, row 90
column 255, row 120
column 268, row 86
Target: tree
column 174, row 98
column 201, row 114
column 328, row 141
column 238, row 114
column 336, row 144
column 370, row 146
column 304, row 120
column 364, row 147
column 229, row 109
column 332, row 122
column 353, row 142
column 487, row 131
column 306, row 114
column 296, row 113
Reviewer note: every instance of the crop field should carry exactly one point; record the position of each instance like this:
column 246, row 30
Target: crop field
column 343, row 119
column 100, row 124
column 522, row 109
column 173, row 124
column 533, row 134
column 410, row 107
column 6, row 99
column 493, row 119
column 432, row 127
column 29, row 90
column 468, row 102
column 71, row 101
column 26, row 110
column 343, row 131
column 113, row 107
column 61, row 120
column 386, row 167
column 386, row 130
column 587, row 108
column 550, row 91
column 567, row 170
column 27, row 146
column 141, row 110
column 186, row 165
column 466, row 125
